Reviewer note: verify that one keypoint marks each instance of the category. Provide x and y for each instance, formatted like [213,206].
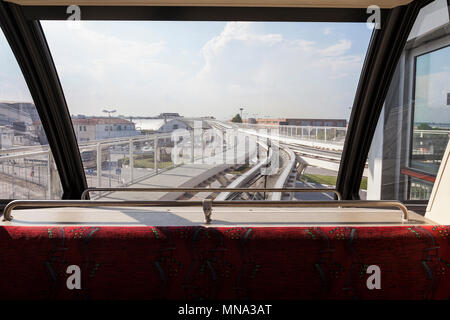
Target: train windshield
[201,104]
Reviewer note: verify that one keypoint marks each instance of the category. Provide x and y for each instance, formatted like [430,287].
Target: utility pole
[109,113]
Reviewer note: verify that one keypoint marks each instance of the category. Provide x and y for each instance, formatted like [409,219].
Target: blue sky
[12,84]
[208,68]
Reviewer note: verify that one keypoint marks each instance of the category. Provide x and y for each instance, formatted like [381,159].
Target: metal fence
[308,133]
[30,173]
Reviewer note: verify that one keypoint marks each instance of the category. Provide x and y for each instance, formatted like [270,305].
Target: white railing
[29,172]
[334,135]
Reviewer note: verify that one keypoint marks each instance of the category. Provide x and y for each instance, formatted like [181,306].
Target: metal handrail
[118,189]
[207,204]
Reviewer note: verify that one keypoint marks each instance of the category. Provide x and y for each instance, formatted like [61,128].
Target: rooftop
[95,120]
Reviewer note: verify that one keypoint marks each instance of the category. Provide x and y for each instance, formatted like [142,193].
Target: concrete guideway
[248,176]
[189,175]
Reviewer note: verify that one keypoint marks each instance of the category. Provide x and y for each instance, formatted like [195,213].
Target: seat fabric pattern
[240,263]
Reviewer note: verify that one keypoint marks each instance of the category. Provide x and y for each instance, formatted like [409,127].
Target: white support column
[224,147]
[235,147]
[99,165]
[375,161]
[203,146]
[247,151]
[192,147]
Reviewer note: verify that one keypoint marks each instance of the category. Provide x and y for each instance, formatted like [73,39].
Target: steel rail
[284,176]
[207,205]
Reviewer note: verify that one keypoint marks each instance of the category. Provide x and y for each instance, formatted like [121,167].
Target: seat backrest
[389,262]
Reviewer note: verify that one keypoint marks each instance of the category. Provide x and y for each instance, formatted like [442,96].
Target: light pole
[109,114]
[109,135]
[241,112]
[109,111]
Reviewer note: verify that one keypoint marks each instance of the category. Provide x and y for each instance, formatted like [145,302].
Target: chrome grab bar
[86,191]
[206,204]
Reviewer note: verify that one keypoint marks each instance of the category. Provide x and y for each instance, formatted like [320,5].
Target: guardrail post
[155,154]
[257,144]
[247,151]
[192,147]
[131,156]
[99,165]
[224,147]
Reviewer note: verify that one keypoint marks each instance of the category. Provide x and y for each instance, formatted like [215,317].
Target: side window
[431,120]
[414,127]
[27,169]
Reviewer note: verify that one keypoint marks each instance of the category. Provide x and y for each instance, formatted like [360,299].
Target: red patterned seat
[225,263]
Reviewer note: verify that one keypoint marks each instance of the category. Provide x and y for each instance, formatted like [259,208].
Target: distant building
[316,122]
[169,115]
[11,112]
[6,137]
[249,121]
[161,125]
[97,128]
[112,128]
[269,121]
[16,119]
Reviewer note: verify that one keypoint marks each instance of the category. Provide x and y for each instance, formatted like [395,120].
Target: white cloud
[236,31]
[242,65]
[337,49]
[277,76]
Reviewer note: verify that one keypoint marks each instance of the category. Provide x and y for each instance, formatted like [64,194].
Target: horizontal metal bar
[23,155]
[206,204]
[86,191]
[22,150]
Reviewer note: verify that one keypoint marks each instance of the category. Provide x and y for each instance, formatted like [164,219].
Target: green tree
[424,126]
[237,118]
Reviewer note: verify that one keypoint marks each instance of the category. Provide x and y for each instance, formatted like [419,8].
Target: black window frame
[413,108]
